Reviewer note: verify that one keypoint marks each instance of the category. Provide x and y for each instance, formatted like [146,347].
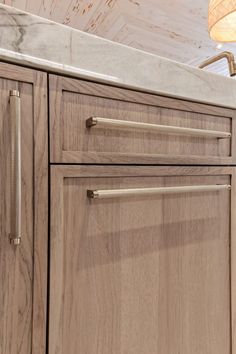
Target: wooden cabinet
[94,123]
[141,259]
[23,266]
[138,272]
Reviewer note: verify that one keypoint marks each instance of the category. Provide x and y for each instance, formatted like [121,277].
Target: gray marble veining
[39,43]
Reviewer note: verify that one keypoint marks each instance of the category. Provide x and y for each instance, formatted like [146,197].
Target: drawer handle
[111,193]
[107,122]
[15,178]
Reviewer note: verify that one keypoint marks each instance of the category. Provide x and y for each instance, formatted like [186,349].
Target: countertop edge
[73,72]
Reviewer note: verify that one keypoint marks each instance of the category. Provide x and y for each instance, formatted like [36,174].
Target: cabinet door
[22,289]
[140,260]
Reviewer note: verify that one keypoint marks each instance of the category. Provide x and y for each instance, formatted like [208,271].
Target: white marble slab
[39,43]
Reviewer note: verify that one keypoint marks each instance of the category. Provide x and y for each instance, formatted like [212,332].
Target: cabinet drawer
[94,123]
[141,272]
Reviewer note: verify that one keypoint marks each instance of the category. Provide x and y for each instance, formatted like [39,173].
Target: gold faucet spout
[224,55]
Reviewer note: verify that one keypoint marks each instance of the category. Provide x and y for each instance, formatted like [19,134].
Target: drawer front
[141,272]
[94,123]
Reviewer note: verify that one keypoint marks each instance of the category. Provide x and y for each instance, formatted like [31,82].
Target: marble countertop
[39,43]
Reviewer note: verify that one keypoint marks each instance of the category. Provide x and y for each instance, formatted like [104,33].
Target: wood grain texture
[233,262]
[24,269]
[138,275]
[74,101]
[176,30]
[16,263]
[40,213]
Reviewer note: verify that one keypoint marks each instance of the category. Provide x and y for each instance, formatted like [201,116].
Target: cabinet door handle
[15,178]
[112,193]
[116,123]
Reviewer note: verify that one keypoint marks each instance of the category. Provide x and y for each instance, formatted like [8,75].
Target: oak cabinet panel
[73,102]
[23,276]
[141,273]
[131,271]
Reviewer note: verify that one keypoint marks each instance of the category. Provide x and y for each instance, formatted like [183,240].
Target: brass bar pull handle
[227,55]
[116,123]
[15,116]
[112,193]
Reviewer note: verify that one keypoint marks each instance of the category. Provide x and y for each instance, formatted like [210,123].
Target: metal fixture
[15,213]
[94,194]
[224,55]
[107,122]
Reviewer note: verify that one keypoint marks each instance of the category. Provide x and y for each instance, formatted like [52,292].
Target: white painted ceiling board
[169,28]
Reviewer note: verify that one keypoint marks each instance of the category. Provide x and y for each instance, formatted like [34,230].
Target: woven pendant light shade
[222,20]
